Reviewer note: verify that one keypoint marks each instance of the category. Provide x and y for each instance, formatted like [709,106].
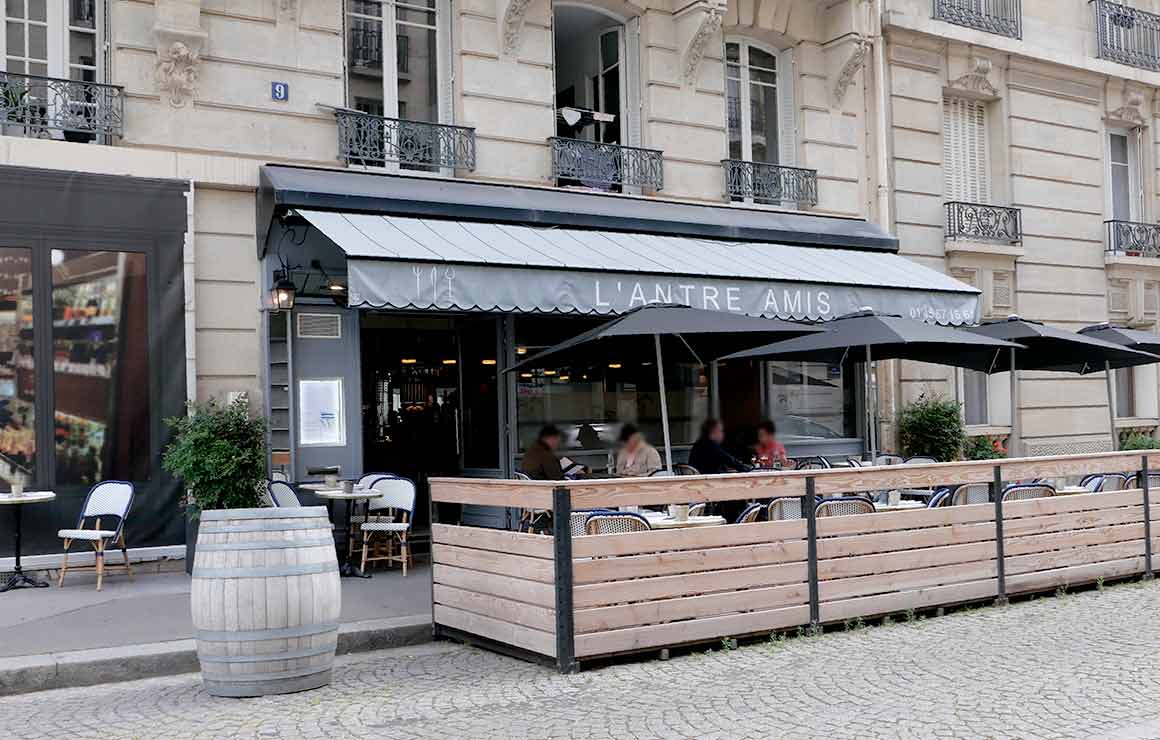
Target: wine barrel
[265,600]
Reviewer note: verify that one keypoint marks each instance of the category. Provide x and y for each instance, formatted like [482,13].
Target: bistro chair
[615,522]
[786,507]
[356,519]
[685,469]
[698,509]
[853,462]
[578,518]
[751,514]
[280,494]
[1114,482]
[941,497]
[812,463]
[279,475]
[1133,481]
[661,473]
[107,500]
[1093,482]
[919,460]
[844,506]
[1027,491]
[889,458]
[389,518]
[971,493]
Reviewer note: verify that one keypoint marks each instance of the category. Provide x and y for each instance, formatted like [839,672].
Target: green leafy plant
[1137,441]
[932,426]
[982,448]
[219,452]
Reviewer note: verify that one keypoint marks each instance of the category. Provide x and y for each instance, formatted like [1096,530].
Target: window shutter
[1002,293]
[968,275]
[632,96]
[966,159]
[1119,300]
[786,109]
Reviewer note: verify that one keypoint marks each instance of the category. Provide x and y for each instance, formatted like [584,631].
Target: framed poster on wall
[321,422]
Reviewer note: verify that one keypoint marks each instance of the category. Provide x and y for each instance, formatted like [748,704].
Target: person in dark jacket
[708,456]
[540,461]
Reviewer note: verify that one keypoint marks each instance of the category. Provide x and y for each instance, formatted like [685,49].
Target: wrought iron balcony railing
[1002,17]
[1128,36]
[606,165]
[374,141]
[1133,239]
[36,106]
[980,222]
[770,183]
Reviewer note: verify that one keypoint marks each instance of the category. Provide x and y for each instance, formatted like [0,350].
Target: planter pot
[265,600]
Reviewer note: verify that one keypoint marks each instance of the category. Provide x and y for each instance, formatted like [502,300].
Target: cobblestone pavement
[1076,666]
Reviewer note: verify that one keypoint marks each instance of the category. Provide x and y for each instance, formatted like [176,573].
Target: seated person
[540,461]
[770,453]
[708,456]
[636,457]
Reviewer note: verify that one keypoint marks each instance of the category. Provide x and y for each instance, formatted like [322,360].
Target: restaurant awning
[406,262]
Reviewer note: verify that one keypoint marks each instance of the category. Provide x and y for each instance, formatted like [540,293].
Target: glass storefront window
[812,400]
[100,366]
[17,379]
[589,401]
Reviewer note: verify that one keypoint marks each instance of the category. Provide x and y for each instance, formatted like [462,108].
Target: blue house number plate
[280,91]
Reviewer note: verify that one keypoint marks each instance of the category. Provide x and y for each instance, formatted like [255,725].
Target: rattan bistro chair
[1114,482]
[615,522]
[1133,481]
[751,514]
[919,460]
[280,494]
[844,506]
[698,509]
[389,522]
[785,507]
[108,500]
[1027,491]
[971,493]
[685,469]
[889,458]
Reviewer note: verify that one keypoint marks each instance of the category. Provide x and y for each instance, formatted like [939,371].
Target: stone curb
[27,673]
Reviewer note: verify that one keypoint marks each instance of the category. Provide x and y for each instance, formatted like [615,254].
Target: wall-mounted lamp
[283,292]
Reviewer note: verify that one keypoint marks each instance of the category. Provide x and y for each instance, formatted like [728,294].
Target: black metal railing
[373,141]
[36,106]
[366,45]
[575,161]
[1127,35]
[1002,17]
[1133,239]
[982,222]
[769,183]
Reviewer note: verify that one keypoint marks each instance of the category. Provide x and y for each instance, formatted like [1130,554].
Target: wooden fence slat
[892,562]
[505,587]
[1072,522]
[498,540]
[696,630]
[593,494]
[1075,538]
[1038,581]
[686,584]
[953,534]
[493,492]
[518,566]
[832,526]
[870,606]
[536,641]
[905,580]
[1076,502]
[687,561]
[694,538]
[605,618]
[1045,561]
[505,610]
[885,477]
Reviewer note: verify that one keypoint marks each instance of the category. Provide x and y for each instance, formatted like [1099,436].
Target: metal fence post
[435,632]
[808,509]
[565,618]
[1147,518]
[1000,567]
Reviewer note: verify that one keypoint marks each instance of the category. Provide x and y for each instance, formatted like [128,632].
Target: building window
[52,38]
[812,401]
[975,398]
[966,154]
[1125,191]
[17,368]
[1125,393]
[405,68]
[758,104]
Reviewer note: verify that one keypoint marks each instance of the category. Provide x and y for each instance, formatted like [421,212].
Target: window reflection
[17,379]
[100,363]
[812,400]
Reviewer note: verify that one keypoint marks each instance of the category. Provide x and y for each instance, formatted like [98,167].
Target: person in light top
[636,457]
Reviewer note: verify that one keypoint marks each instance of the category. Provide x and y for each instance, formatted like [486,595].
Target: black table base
[346,567]
[20,579]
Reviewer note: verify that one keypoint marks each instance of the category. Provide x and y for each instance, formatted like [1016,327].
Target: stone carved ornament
[288,9]
[512,20]
[177,73]
[975,80]
[706,23]
[1129,112]
[850,69]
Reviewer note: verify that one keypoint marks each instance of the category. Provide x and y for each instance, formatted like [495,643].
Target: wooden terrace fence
[571,598]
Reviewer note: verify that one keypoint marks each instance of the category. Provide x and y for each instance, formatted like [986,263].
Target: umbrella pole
[664,405]
[1111,405]
[1014,442]
[871,410]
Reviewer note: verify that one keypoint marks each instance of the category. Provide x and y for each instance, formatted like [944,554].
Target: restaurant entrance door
[432,401]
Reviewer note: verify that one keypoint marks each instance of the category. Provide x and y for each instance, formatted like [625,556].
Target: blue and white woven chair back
[789,507]
[282,494]
[853,462]
[1133,481]
[1027,491]
[517,475]
[279,475]
[369,479]
[971,493]
[845,506]
[618,523]
[110,498]
[393,493]
[812,463]
[889,458]
[941,497]
[920,460]
[1093,482]
[751,514]
[1114,482]
[698,509]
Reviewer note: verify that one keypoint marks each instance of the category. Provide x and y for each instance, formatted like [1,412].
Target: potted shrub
[1138,441]
[932,426]
[983,448]
[219,452]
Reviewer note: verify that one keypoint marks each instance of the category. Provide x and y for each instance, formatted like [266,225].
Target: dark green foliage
[932,426]
[219,452]
[1139,441]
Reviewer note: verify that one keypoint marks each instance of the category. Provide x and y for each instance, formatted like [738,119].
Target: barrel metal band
[267,526]
[263,545]
[281,633]
[285,570]
[296,512]
[227,678]
[267,657]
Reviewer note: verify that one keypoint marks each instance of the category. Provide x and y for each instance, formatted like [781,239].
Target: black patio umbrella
[1052,349]
[885,337]
[703,334]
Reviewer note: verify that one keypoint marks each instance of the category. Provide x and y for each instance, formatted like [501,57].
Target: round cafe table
[19,579]
[346,569]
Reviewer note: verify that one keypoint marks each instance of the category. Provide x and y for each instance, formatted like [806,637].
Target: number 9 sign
[279,91]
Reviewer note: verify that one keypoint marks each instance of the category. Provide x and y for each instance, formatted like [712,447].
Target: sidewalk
[143,628]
